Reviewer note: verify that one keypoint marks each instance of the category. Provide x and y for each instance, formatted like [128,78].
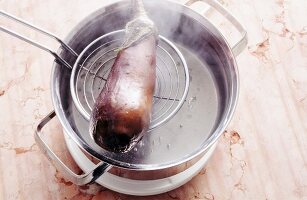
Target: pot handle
[39,45]
[83,179]
[239,46]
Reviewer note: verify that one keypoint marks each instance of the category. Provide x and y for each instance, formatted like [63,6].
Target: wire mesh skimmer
[94,64]
[92,67]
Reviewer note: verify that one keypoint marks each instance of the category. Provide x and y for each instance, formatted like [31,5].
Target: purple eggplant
[121,114]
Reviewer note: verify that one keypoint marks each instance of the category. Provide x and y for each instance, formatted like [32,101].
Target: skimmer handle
[87,177]
[239,46]
[37,44]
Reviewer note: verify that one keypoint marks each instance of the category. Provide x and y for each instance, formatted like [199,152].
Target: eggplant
[121,114]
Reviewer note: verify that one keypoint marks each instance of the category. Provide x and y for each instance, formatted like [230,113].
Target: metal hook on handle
[39,45]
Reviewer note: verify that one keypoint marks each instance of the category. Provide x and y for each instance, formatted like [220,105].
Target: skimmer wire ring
[93,65]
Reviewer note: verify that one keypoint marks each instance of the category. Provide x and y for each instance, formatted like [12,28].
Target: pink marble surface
[263,153]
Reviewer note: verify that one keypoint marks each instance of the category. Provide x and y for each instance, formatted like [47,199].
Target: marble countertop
[261,155]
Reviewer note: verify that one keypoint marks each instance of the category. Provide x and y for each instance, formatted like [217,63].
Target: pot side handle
[86,178]
[239,46]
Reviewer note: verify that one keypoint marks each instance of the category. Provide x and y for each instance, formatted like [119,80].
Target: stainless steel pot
[203,117]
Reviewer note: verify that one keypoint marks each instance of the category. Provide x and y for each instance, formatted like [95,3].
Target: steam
[167,22]
[174,23]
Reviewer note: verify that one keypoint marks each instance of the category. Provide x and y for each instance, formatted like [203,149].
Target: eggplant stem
[139,27]
[138,5]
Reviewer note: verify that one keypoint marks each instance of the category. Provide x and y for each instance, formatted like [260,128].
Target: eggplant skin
[121,114]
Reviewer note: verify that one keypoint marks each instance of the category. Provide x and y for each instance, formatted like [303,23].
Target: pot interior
[209,104]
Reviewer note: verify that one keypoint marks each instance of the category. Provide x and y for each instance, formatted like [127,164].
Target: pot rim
[219,130]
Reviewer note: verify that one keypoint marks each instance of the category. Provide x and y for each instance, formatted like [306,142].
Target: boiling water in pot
[191,125]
